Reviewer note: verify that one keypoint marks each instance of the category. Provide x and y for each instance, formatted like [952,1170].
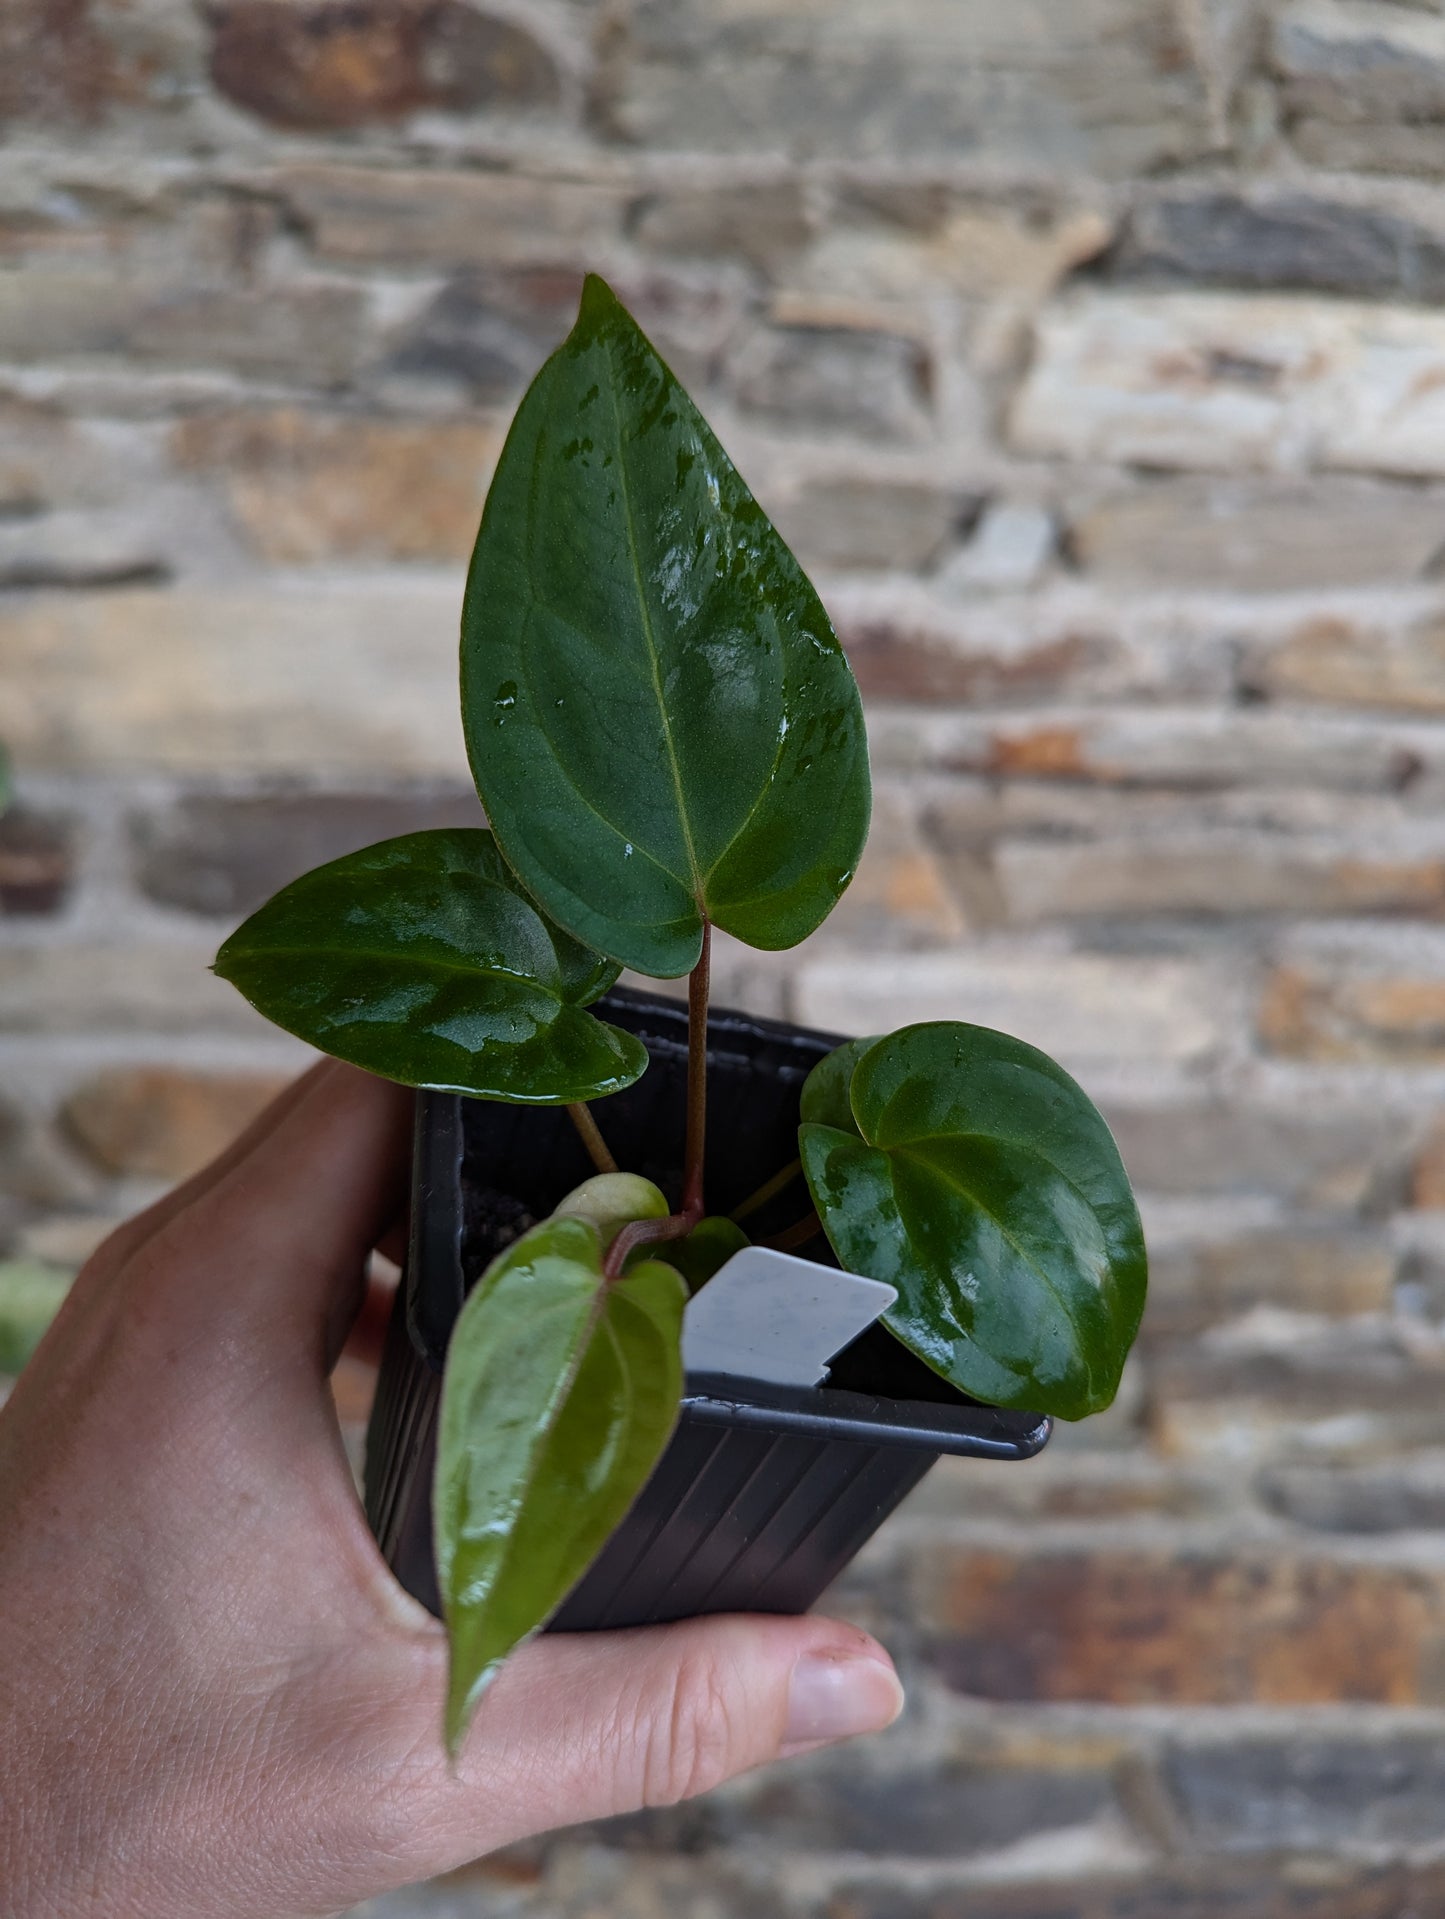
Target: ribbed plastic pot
[764,1493]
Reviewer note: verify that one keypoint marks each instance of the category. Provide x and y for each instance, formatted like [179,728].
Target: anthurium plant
[667,739]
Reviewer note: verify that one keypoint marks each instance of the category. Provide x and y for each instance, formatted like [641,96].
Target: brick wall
[1091,353]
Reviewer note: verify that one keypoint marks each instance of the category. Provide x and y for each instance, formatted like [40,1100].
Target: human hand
[215,1701]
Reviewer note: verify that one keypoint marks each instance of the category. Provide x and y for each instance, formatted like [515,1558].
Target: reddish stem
[642,1232]
[798,1234]
[598,1150]
[697,995]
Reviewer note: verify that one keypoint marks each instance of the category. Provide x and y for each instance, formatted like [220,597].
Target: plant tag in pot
[772,1316]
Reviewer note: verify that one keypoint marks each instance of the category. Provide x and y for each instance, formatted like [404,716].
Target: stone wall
[1091,353]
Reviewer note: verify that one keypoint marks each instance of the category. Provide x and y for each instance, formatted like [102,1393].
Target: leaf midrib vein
[650,639]
[421,962]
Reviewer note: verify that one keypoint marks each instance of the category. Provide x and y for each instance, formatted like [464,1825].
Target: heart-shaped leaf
[973,1174]
[661,723]
[560,1393]
[422,960]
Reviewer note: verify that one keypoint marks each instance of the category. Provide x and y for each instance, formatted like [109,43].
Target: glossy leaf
[559,1396]
[707,1248]
[826,1098]
[975,1175]
[422,960]
[660,720]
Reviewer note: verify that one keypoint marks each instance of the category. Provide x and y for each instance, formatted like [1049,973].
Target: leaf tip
[599,312]
[464,1695]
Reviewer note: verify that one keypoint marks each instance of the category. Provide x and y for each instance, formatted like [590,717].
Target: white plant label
[772,1316]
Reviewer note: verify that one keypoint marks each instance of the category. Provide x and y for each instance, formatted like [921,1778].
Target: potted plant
[667,738]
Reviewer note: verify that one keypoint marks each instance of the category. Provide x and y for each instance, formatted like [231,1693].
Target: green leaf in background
[560,1393]
[706,1250]
[660,720]
[422,960]
[978,1178]
[826,1096]
[30,1297]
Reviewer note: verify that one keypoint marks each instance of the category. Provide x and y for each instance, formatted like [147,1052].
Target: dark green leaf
[660,720]
[826,1098]
[978,1179]
[707,1248]
[422,960]
[560,1393]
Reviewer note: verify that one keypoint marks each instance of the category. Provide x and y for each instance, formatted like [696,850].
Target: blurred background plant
[31,1288]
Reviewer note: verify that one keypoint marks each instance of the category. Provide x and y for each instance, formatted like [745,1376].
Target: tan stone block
[309,486]
[1345,659]
[1372,146]
[1347,60]
[333,679]
[855,521]
[159,1122]
[836,374]
[1281,1385]
[385,216]
[1072,86]
[1083,1008]
[898,897]
[1198,1626]
[156,988]
[1324,1267]
[1218,874]
[1332,1153]
[295,332]
[1427,1175]
[1316,1011]
[1259,536]
[1065,1485]
[904,252]
[1236,381]
[765,224]
[1187,749]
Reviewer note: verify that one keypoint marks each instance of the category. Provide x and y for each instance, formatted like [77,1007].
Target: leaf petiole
[798,1234]
[598,1151]
[697,997]
[769,1189]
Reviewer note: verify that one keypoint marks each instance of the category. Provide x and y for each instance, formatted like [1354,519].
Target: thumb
[581,1726]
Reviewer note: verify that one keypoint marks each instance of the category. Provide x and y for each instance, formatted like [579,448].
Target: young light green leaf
[660,720]
[978,1178]
[560,1393]
[613,1200]
[422,960]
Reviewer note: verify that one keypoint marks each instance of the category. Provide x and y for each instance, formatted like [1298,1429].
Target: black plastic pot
[765,1492]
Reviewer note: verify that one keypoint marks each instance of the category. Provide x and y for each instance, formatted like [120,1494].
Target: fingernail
[837,1696]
